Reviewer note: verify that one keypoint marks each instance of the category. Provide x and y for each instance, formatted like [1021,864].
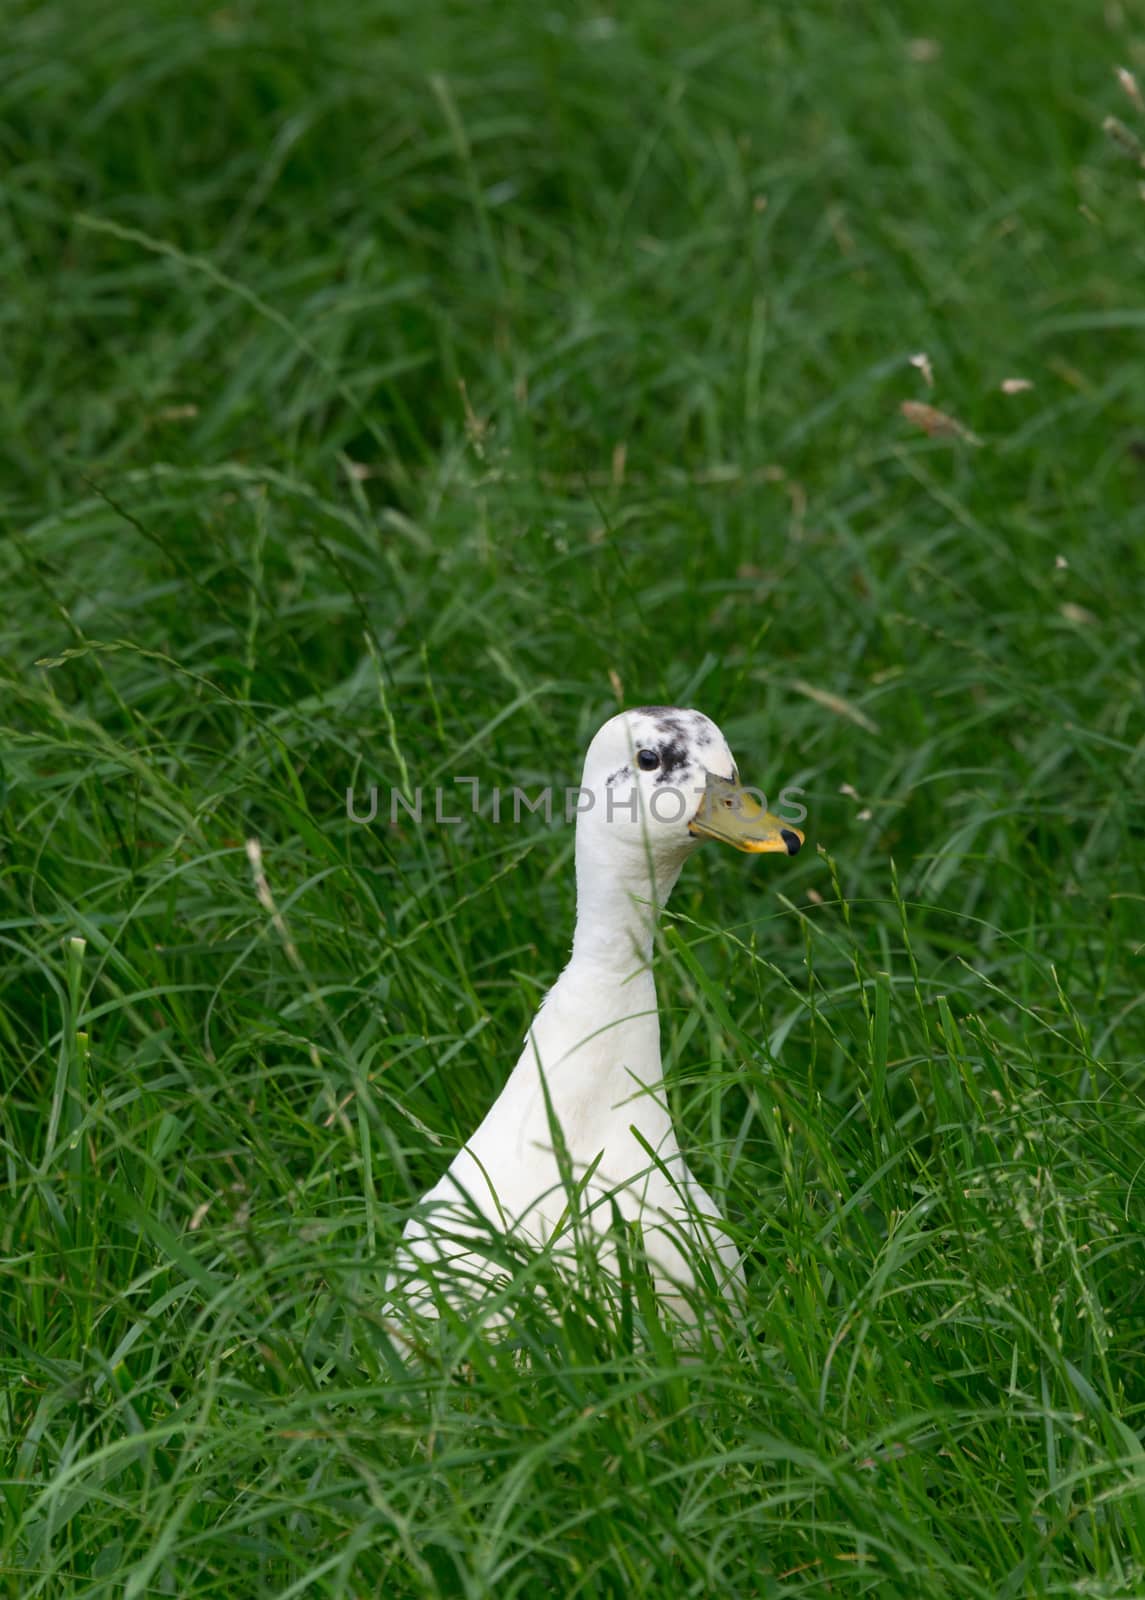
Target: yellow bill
[728,812]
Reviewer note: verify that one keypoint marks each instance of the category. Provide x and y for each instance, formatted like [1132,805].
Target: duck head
[661,779]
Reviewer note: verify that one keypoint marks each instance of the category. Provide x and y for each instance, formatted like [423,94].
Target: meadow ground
[389,390]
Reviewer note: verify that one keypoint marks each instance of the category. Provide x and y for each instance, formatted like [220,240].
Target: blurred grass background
[388,393]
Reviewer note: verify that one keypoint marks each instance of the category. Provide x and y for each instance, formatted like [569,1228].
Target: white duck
[656,782]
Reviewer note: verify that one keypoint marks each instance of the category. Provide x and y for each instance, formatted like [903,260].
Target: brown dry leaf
[617,686]
[1015,385]
[936,424]
[835,703]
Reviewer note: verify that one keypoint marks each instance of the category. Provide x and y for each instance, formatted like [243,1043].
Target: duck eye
[647,760]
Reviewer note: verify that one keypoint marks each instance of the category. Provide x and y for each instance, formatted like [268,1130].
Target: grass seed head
[922,362]
[1129,84]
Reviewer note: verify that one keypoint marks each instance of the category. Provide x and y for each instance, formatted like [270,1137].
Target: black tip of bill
[791,840]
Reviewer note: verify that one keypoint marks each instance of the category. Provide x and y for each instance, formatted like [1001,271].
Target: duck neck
[617,907]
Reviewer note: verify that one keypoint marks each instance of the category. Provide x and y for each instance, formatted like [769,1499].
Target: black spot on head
[672,734]
[668,720]
[679,733]
[618,776]
[674,758]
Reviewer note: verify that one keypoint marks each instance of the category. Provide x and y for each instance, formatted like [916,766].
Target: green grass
[385,388]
